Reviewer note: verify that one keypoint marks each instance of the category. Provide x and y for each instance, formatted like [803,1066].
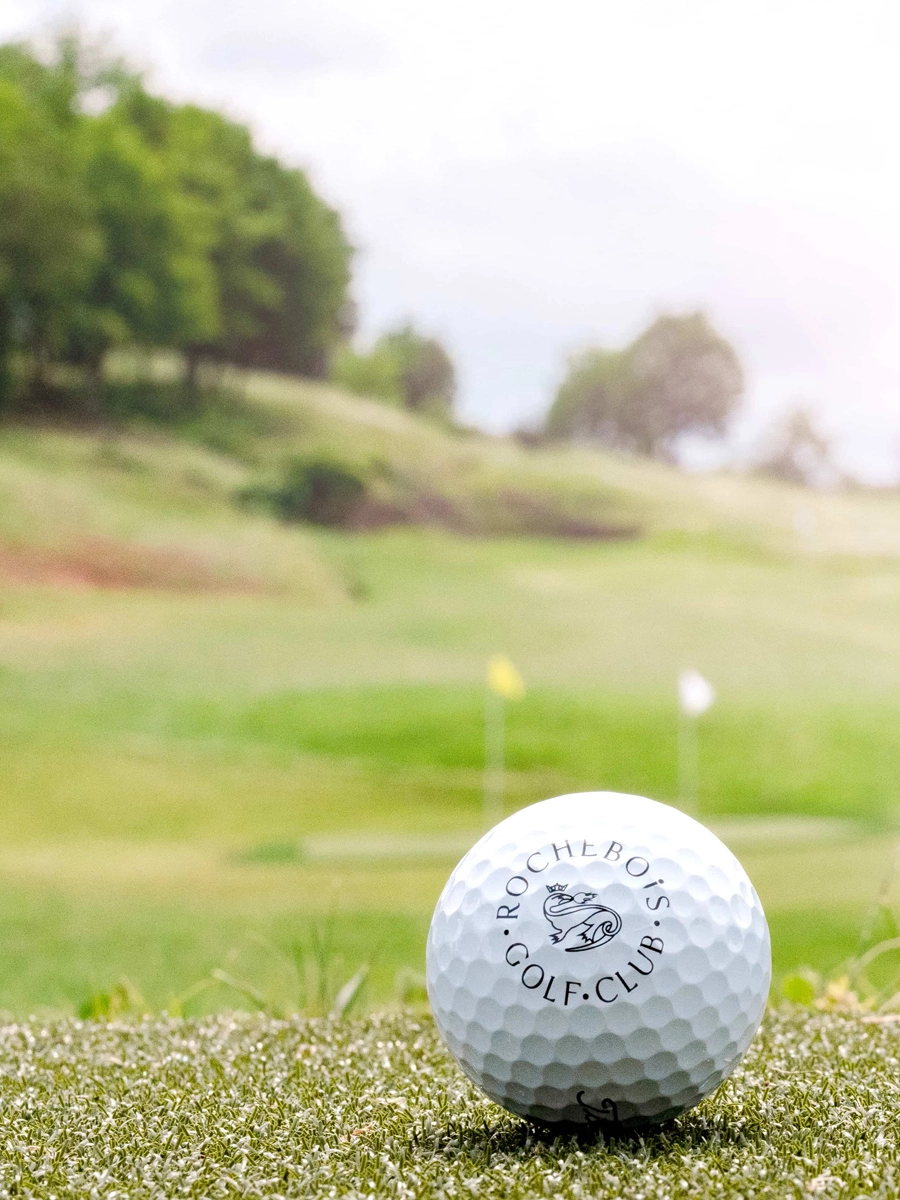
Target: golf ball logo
[590,924]
[579,922]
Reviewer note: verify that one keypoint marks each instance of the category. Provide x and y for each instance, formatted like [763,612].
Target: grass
[192,698]
[77,917]
[246,1105]
[239,760]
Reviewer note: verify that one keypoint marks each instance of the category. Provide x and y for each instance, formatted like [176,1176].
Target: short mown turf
[249,1106]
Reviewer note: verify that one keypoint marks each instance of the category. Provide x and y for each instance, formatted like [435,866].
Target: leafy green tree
[48,242]
[427,374]
[405,368]
[136,221]
[592,401]
[214,165]
[305,257]
[688,379]
[279,258]
[137,274]
[679,376]
[152,285]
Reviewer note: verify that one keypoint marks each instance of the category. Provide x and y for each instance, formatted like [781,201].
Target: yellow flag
[504,679]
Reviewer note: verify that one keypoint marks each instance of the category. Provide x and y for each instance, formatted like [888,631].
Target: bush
[319,490]
[427,373]
[405,368]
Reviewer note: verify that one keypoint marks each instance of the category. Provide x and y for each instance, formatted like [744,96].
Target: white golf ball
[598,959]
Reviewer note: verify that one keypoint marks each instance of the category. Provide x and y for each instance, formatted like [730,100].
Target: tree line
[130,220]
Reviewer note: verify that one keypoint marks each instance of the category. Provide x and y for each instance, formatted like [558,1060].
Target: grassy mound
[421,472]
[206,491]
[254,1107]
[98,509]
[471,483]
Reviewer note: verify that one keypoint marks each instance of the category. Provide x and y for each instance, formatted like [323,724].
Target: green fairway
[167,758]
[212,726]
[248,1106]
[79,917]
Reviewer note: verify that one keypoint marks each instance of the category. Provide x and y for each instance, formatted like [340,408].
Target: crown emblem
[556,887]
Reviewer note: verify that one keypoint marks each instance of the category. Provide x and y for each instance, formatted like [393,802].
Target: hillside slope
[82,508]
[150,502]
[190,691]
[620,494]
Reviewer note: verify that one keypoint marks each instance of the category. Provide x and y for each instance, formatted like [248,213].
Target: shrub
[405,368]
[319,490]
[427,373]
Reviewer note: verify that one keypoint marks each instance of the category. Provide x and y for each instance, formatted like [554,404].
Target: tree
[280,259]
[688,379]
[307,258]
[426,372]
[405,368]
[126,219]
[797,452]
[592,401]
[262,261]
[679,376]
[152,284]
[133,270]
[48,242]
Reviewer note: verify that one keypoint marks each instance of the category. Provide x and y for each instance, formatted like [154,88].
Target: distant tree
[592,401]
[280,260]
[213,161]
[426,370]
[305,256]
[796,452]
[679,376]
[403,367]
[48,241]
[152,284]
[688,379]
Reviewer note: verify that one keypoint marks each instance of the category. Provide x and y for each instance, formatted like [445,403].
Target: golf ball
[598,959]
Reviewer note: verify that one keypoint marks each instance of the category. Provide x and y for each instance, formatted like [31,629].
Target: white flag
[695,693]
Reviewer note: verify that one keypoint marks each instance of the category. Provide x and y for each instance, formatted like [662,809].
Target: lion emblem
[579,918]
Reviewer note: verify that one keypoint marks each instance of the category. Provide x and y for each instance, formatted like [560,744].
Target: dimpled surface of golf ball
[598,958]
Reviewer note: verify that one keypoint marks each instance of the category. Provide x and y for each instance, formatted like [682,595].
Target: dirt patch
[417,508]
[503,513]
[517,512]
[99,562]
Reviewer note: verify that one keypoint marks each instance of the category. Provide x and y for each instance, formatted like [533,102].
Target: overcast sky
[522,178]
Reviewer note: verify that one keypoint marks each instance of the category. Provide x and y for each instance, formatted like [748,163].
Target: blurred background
[409,415]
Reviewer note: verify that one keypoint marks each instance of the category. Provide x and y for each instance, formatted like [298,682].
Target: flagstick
[688,764]
[494,739]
